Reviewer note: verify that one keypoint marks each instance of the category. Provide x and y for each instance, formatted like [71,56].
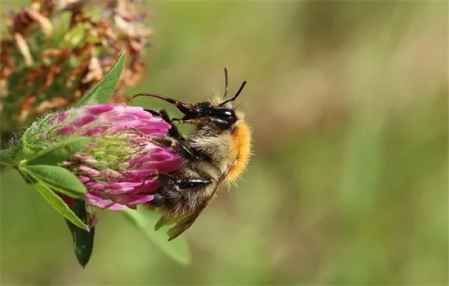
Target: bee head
[221,115]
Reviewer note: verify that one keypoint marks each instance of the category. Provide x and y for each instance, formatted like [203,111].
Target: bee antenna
[225,83]
[183,107]
[172,101]
[236,94]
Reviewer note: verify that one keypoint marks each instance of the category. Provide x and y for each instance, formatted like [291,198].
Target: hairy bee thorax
[229,150]
[240,150]
[227,153]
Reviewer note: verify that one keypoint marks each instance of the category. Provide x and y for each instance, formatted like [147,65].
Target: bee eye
[224,117]
[228,113]
[203,106]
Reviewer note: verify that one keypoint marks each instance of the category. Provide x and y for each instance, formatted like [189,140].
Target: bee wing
[184,223]
[163,220]
[187,221]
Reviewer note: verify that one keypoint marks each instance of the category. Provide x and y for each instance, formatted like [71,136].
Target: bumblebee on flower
[138,157]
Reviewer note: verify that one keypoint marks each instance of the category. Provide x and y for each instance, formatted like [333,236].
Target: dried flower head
[54,51]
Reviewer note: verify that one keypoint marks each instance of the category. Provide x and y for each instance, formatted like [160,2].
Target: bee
[216,152]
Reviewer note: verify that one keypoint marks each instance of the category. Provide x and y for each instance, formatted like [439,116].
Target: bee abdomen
[181,194]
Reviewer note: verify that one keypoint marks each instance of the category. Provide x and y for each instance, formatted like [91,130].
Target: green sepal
[83,241]
[58,204]
[58,152]
[9,157]
[59,178]
[103,90]
[145,220]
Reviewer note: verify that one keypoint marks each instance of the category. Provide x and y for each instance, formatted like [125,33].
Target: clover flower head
[120,164]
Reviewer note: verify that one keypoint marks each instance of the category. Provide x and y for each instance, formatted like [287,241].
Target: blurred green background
[348,184]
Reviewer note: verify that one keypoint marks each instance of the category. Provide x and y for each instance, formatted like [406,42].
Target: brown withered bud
[55,50]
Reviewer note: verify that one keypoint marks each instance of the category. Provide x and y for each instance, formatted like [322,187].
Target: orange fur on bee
[240,149]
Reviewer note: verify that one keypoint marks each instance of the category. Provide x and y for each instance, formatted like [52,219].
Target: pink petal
[99,108]
[61,116]
[83,120]
[94,131]
[151,185]
[156,131]
[137,200]
[66,130]
[140,174]
[96,186]
[84,179]
[119,188]
[164,166]
[89,171]
[98,201]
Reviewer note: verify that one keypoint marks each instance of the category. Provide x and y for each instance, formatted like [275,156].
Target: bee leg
[181,147]
[181,183]
[158,200]
[176,140]
[173,132]
[192,183]
[175,191]
[166,198]
[179,141]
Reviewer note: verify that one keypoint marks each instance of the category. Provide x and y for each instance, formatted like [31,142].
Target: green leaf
[59,205]
[58,152]
[58,178]
[103,90]
[83,241]
[145,220]
[8,157]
